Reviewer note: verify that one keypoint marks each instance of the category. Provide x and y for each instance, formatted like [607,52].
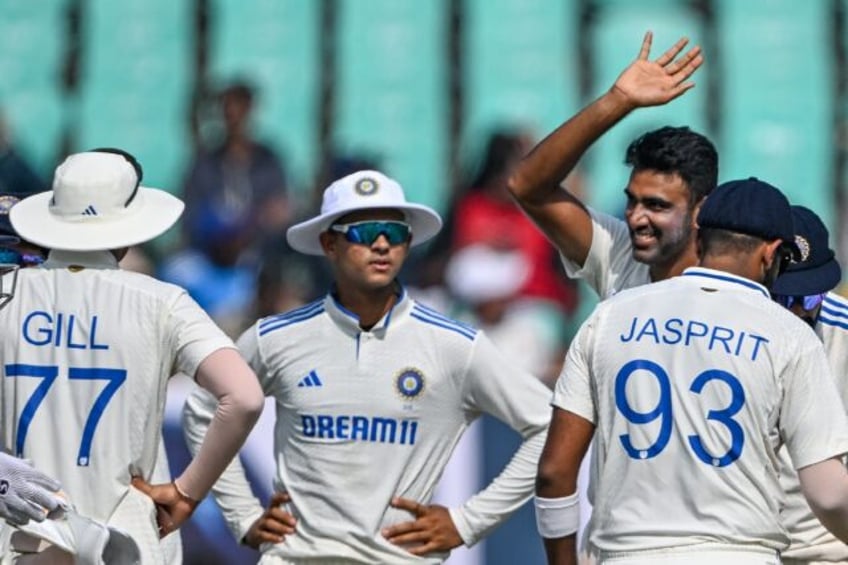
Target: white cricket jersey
[809,540]
[363,416]
[692,384]
[87,351]
[609,266]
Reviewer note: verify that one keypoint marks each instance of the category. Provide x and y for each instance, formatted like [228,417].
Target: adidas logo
[310,380]
[90,211]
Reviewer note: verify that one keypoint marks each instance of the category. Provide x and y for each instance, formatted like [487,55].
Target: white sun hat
[96,204]
[362,190]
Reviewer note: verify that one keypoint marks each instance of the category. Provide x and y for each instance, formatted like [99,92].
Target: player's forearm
[825,486]
[232,491]
[505,494]
[562,551]
[240,402]
[537,177]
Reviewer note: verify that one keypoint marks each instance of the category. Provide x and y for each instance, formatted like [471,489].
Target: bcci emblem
[410,383]
[804,246]
[6,203]
[366,186]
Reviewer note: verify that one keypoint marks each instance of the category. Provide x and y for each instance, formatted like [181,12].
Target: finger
[677,65]
[282,516]
[672,52]
[43,500]
[399,529]
[417,537]
[275,527]
[645,50]
[407,504]
[425,548]
[279,498]
[142,485]
[268,537]
[687,71]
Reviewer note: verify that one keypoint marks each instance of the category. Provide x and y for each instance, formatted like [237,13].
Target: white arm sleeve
[232,491]
[240,401]
[825,486]
[495,386]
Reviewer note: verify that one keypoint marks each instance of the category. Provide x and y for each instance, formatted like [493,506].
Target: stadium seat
[778,97]
[392,91]
[275,45]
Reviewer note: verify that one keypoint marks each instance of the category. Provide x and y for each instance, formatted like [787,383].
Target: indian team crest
[6,203]
[804,246]
[410,383]
[366,186]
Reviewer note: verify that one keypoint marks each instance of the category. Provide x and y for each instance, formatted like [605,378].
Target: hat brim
[151,213]
[806,282]
[304,237]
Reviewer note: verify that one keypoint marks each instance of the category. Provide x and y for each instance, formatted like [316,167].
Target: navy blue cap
[817,271]
[750,207]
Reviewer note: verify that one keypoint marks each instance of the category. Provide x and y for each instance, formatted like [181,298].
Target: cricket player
[673,169]
[88,349]
[806,289]
[692,384]
[373,391]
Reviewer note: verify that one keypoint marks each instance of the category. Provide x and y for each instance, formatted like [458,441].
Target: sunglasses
[807,302]
[9,256]
[367,232]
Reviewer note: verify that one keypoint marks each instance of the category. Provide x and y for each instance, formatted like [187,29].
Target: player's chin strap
[8,282]
[557,517]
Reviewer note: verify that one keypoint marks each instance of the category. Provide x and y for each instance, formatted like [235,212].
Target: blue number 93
[663,410]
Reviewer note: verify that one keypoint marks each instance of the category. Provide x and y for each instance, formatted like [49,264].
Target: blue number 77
[116,378]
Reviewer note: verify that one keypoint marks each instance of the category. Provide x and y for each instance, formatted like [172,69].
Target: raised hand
[274,525]
[652,83]
[431,531]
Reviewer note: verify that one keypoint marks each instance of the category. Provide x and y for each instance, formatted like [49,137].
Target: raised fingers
[685,61]
[645,50]
[672,52]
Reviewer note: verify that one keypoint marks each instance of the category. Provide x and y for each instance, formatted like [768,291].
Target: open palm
[651,83]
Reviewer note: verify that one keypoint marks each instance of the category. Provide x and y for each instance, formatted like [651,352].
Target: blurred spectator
[16,176]
[218,271]
[486,213]
[487,281]
[240,177]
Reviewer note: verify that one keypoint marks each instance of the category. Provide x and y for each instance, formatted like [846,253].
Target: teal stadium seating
[392,91]
[778,72]
[275,44]
[520,67]
[31,43]
[134,88]
[616,38]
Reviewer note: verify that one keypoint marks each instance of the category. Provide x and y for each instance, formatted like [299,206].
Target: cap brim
[816,280]
[304,237]
[152,212]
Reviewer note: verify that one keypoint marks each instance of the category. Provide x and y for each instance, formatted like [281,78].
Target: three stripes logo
[310,380]
[90,211]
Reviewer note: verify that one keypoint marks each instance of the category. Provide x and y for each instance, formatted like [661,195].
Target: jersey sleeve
[496,387]
[609,254]
[573,390]
[232,492]
[250,348]
[813,422]
[193,334]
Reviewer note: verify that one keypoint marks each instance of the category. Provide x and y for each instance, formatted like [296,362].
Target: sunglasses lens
[807,302]
[368,232]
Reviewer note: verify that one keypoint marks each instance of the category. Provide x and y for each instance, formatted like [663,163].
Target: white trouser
[693,556]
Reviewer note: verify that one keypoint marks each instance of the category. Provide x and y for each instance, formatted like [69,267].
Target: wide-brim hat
[362,190]
[96,203]
[818,271]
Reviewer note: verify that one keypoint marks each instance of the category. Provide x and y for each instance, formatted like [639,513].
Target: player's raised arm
[535,183]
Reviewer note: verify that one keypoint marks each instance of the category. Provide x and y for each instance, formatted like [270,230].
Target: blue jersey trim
[833,303]
[290,314]
[290,320]
[443,322]
[728,278]
[831,322]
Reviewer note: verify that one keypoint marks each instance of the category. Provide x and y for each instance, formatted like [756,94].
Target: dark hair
[502,149]
[677,150]
[240,89]
[717,241]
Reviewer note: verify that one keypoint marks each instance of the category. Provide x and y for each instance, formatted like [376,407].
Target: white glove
[26,493]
